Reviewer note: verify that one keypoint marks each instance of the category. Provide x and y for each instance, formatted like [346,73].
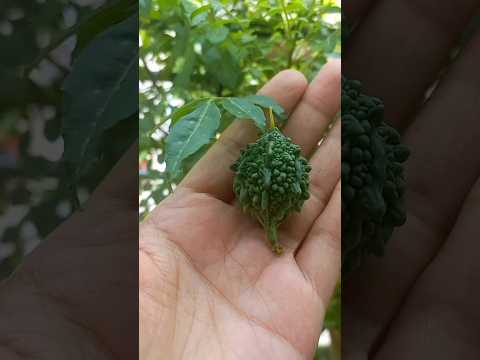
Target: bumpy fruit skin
[271,181]
[373,183]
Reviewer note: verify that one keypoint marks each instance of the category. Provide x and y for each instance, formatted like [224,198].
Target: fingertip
[287,88]
[331,71]
[294,78]
[335,65]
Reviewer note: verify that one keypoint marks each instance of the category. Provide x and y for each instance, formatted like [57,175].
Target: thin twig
[292,42]
[65,70]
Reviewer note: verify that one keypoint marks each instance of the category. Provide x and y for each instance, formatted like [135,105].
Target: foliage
[195,50]
[217,53]
[105,72]
[271,181]
[200,121]
[372,176]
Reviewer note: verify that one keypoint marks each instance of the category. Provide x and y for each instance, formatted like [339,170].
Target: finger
[325,174]
[443,143]
[449,125]
[443,304]
[319,255]
[355,11]
[400,49]
[314,113]
[212,173]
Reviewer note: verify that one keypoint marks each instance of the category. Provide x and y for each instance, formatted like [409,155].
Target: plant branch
[292,41]
[286,19]
[293,45]
[52,46]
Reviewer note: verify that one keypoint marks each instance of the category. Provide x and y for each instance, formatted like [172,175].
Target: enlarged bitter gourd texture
[271,181]
[373,183]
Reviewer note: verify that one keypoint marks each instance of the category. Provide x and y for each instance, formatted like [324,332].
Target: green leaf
[188,136]
[100,91]
[146,125]
[183,77]
[188,7]
[191,160]
[223,67]
[166,4]
[268,102]
[185,109]
[244,109]
[102,19]
[200,10]
[200,19]
[217,34]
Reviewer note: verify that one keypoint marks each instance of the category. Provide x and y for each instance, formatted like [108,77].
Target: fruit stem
[271,118]
[271,230]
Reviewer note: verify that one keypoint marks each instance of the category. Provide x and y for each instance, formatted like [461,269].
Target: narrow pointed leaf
[244,109]
[189,135]
[100,91]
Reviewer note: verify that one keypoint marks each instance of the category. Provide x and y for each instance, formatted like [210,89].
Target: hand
[75,297]
[420,299]
[210,286]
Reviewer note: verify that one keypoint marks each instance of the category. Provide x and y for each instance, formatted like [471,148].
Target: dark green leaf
[244,109]
[102,19]
[100,91]
[189,134]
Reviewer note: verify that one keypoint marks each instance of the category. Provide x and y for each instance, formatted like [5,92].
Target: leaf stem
[271,118]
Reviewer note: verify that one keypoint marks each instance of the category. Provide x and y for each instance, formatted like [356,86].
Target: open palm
[210,287]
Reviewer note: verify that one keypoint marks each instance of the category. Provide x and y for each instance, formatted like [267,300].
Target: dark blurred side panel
[414,294]
[68,114]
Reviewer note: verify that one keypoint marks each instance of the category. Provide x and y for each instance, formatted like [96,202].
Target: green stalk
[271,230]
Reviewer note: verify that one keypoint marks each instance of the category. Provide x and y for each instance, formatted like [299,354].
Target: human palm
[210,286]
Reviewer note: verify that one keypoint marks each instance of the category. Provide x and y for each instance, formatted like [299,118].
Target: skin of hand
[210,286]
[76,295]
[420,301]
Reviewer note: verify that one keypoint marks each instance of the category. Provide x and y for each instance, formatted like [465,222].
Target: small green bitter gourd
[271,180]
[373,182]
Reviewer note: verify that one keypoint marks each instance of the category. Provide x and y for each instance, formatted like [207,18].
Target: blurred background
[194,49]
[38,43]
